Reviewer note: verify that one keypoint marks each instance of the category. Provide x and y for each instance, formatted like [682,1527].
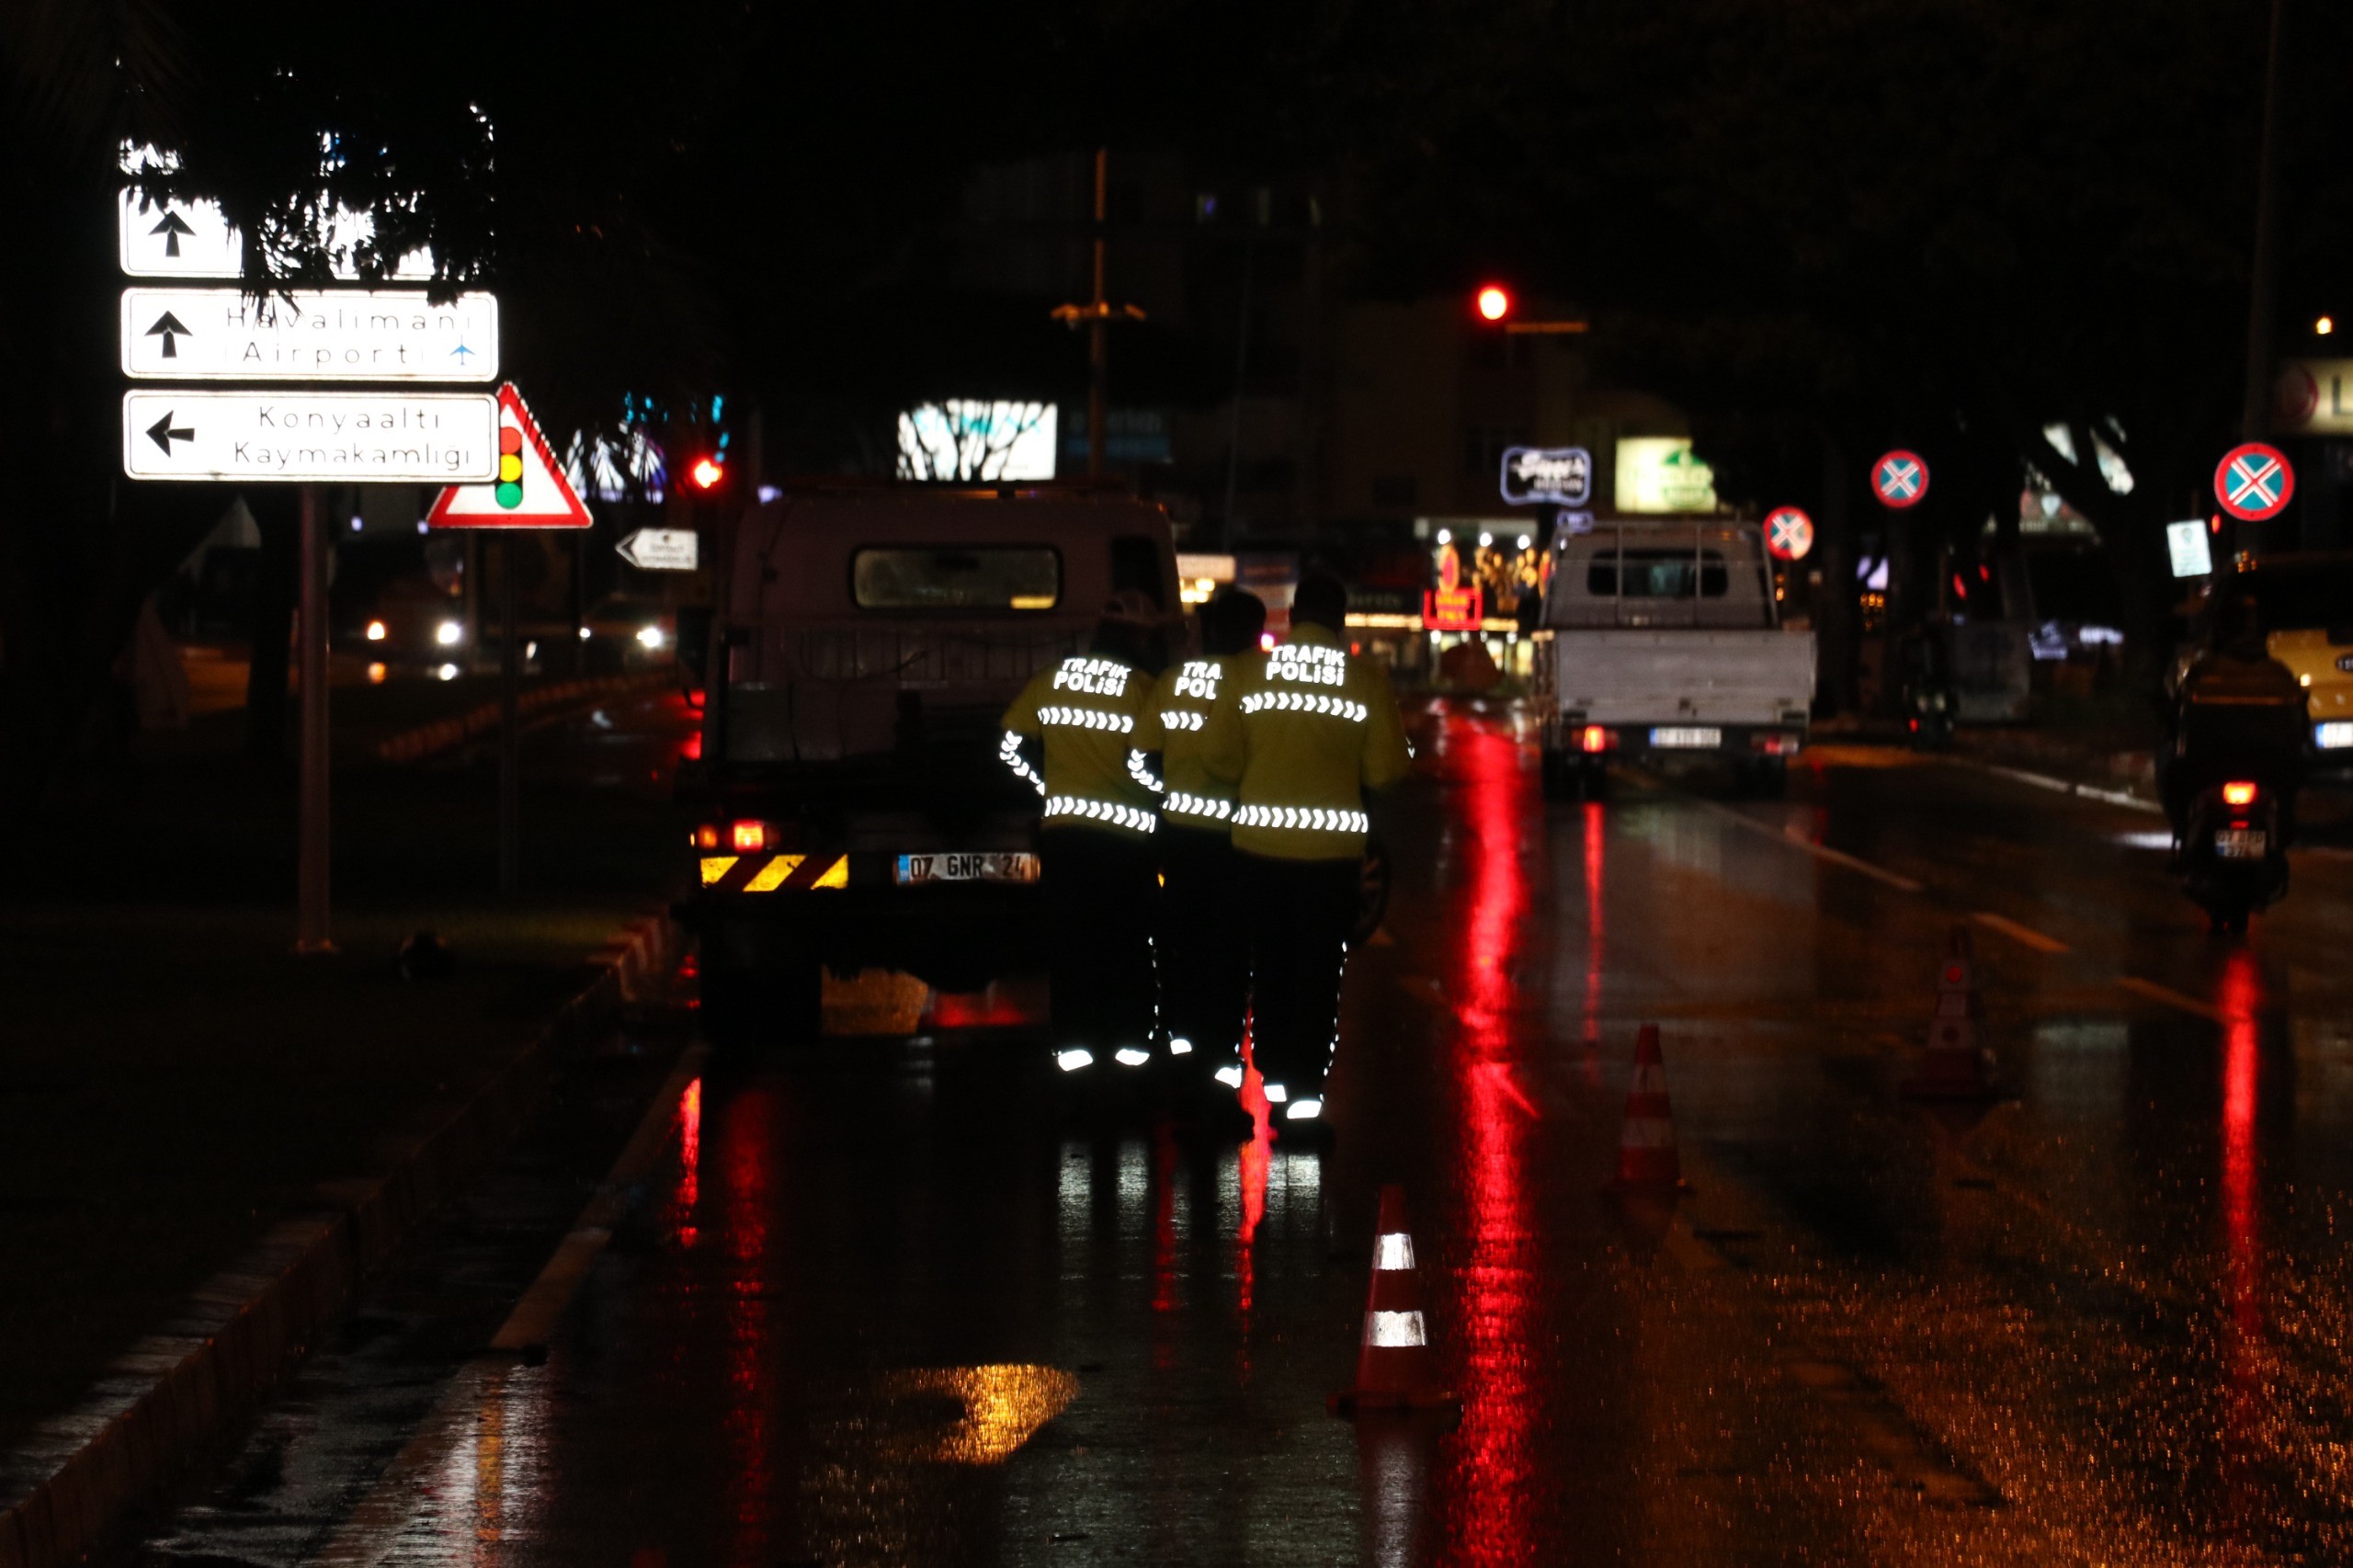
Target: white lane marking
[2017,933]
[2170,998]
[373,1529]
[1797,838]
[2062,786]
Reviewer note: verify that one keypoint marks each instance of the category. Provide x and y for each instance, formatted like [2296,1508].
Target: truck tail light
[1773,743]
[1595,739]
[707,836]
[749,837]
[2238,794]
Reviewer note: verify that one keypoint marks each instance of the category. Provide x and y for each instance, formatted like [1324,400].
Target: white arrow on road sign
[348,335]
[662,549]
[368,437]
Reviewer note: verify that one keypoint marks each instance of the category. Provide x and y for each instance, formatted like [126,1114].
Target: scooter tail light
[2238,794]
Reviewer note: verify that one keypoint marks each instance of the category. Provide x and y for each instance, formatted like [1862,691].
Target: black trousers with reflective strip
[1102,889]
[1204,948]
[1299,913]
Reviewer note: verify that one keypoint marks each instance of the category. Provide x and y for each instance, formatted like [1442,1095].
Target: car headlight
[450,634]
[650,637]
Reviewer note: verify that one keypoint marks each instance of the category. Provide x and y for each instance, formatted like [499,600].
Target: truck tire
[1763,778]
[761,989]
[1592,779]
[1553,770]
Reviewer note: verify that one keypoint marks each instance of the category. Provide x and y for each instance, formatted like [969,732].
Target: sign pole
[510,761]
[311,934]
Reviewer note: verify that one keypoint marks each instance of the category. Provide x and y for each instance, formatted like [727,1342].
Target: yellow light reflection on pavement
[1004,1407]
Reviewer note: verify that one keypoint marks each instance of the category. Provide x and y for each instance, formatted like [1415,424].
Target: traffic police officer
[1304,733]
[1204,951]
[1086,733]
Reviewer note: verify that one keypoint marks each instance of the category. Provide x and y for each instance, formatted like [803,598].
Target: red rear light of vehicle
[746,837]
[2238,794]
[1773,743]
[707,836]
[1595,739]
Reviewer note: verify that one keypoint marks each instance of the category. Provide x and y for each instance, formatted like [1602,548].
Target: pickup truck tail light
[1594,738]
[747,837]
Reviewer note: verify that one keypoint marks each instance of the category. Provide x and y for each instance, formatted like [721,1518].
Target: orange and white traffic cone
[1646,1156]
[1956,1066]
[1395,1368]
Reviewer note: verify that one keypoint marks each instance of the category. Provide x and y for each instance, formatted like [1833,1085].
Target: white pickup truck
[1663,636]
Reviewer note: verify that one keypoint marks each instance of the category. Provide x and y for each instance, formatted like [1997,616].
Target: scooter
[2235,849]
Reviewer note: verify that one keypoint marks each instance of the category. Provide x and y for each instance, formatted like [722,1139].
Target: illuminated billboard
[1659,473]
[971,439]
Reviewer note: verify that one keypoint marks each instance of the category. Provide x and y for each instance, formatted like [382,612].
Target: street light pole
[314,839]
[1098,313]
[2255,413]
[1098,347]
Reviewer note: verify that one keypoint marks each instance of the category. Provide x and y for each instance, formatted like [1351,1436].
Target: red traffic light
[706,474]
[1493,302]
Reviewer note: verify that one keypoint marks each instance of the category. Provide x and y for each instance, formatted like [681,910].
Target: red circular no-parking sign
[2254,482]
[1789,533]
[1900,479]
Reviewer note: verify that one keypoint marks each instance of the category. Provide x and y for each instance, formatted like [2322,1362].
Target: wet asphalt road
[876,1305]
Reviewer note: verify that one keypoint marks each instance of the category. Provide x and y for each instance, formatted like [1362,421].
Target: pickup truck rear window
[957,577]
[1658,574]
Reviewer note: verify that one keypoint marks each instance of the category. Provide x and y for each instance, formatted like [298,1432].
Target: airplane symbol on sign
[2255,482]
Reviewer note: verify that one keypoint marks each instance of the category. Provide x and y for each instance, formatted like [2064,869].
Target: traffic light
[510,467]
[1493,302]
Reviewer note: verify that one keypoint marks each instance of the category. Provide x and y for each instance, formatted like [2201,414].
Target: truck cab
[1663,636]
[851,806]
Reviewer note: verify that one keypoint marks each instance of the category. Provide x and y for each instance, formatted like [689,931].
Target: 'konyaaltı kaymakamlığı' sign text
[258,435]
[348,335]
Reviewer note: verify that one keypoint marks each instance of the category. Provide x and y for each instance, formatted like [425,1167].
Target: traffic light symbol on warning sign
[510,467]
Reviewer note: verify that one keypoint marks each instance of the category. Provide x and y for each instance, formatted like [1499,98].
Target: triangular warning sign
[531,491]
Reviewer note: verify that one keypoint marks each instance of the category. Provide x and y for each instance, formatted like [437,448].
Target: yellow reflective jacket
[1097,718]
[1303,731]
[1184,696]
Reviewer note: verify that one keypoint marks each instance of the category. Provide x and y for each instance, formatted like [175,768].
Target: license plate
[1686,740]
[990,867]
[2241,843]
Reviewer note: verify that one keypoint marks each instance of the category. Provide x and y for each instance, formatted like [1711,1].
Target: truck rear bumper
[957,936]
[1676,737]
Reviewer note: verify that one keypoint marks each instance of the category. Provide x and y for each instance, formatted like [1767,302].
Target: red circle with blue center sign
[2254,482]
[1789,533]
[1900,479]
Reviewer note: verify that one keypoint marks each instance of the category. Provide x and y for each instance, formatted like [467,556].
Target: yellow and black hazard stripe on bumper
[773,873]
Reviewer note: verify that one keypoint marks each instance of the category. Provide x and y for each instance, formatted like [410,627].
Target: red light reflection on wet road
[2240,993]
[1485,1488]
[747,1162]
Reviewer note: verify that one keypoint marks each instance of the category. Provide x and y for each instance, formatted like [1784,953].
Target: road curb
[425,740]
[239,1331]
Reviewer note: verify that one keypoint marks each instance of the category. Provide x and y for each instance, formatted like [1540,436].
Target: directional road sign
[1900,479]
[2254,482]
[346,334]
[1789,533]
[328,437]
[660,550]
[177,239]
[192,239]
[529,489]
